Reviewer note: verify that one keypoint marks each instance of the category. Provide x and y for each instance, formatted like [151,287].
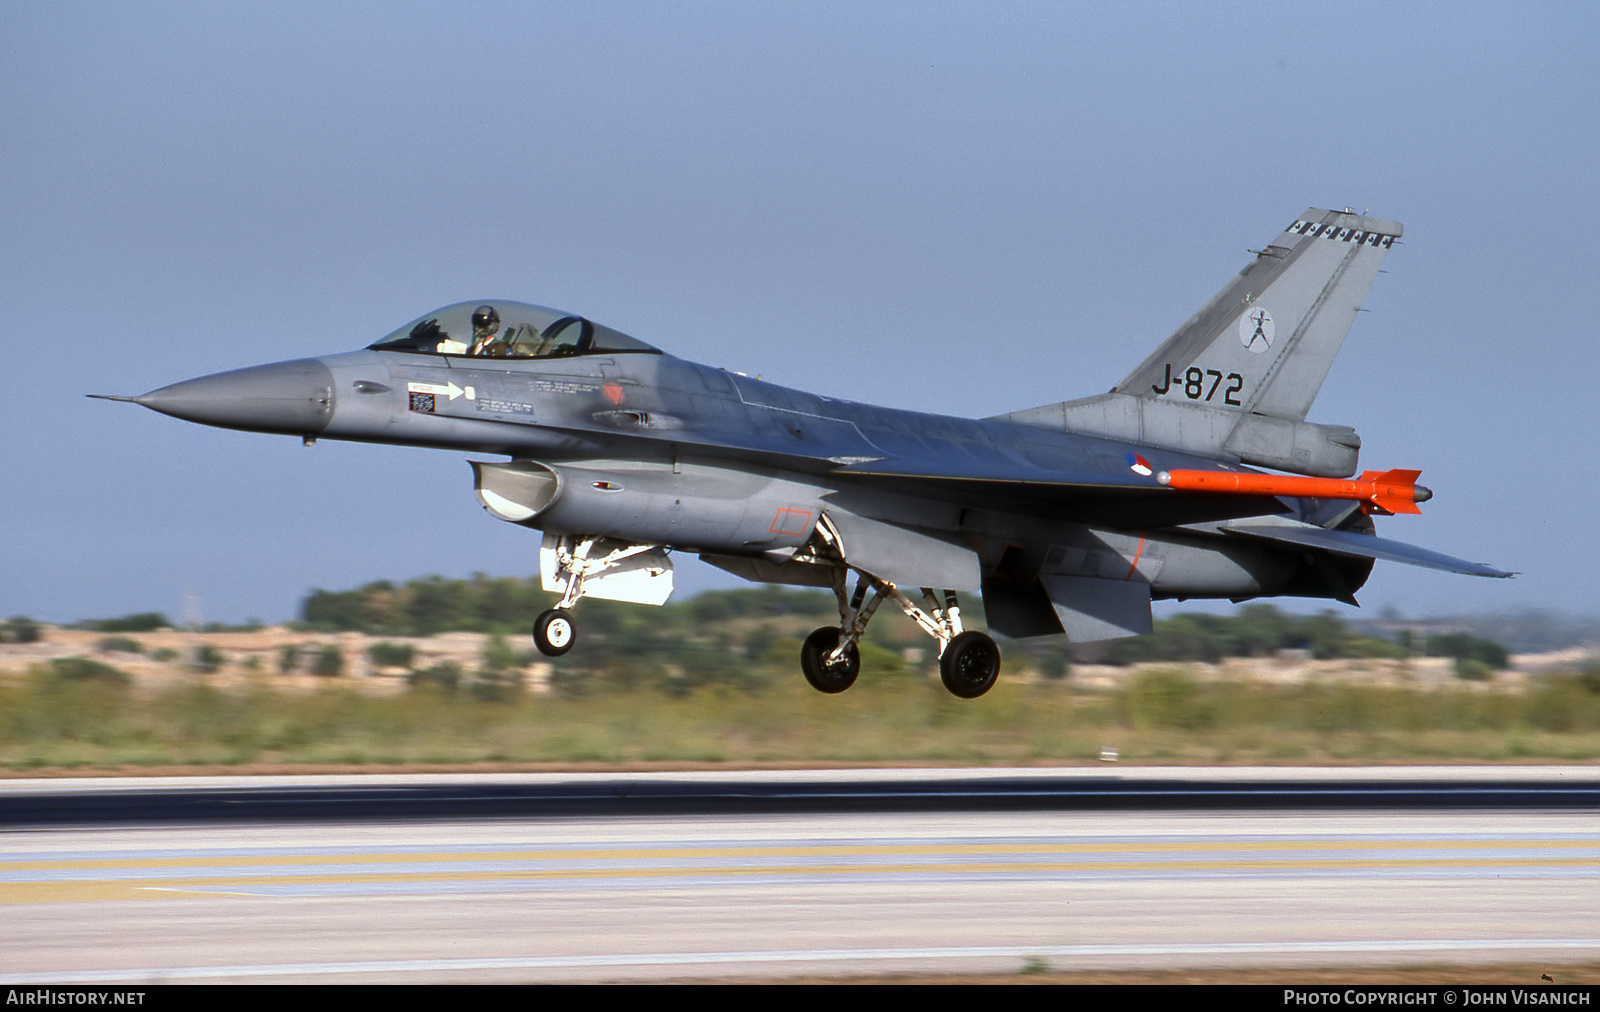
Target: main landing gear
[826,667]
[969,661]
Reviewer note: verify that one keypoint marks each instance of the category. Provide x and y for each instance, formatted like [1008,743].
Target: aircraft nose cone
[295,398]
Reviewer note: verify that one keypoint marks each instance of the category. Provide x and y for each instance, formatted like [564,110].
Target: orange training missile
[1390,491]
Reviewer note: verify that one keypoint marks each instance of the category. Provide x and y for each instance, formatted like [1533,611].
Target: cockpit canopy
[501,329]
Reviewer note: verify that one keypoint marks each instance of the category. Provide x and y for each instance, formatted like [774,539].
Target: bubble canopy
[497,328]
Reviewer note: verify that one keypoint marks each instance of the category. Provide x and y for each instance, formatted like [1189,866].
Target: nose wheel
[554,632]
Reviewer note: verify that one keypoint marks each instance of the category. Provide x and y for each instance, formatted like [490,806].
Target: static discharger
[1394,491]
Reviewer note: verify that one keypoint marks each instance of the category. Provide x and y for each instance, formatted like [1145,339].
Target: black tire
[832,678]
[969,665]
[554,632]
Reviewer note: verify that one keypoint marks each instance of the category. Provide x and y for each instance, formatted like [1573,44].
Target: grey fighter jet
[1197,476]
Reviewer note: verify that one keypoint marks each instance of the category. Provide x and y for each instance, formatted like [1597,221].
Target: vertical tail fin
[1264,344]
[1237,379]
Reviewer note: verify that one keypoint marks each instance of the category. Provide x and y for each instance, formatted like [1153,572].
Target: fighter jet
[1197,476]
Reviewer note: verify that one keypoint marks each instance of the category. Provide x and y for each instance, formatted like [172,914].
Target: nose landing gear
[601,567]
[554,632]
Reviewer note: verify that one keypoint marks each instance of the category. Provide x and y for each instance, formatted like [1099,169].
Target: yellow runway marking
[830,850]
[146,888]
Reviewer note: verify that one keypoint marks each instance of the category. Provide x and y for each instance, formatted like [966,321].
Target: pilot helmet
[485,320]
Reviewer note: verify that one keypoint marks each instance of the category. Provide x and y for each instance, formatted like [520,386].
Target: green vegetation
[1531,631]
[427,606]
[443,677]
[148,621]
[1257,630]
[711,679]
[699,636]
[250,625]
[71,715]
[206,659]
[82,669]
[329,662]
[390,655]
[506,606]
[1472,653]
[19,630]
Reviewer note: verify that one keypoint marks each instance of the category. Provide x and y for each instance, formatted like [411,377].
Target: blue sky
[939,206]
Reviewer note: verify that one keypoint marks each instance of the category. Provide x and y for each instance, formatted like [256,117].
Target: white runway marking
[1419,947]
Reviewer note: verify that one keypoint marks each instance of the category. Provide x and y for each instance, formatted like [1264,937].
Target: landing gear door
[645,578]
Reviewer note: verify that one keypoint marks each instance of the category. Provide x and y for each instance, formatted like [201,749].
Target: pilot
[485,332]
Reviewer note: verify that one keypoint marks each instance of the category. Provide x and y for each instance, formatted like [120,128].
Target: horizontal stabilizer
[1364,546]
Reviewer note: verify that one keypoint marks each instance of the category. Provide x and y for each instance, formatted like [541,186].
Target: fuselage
[655,449]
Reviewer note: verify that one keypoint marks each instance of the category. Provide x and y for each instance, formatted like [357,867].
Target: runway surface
[308,798]
[772,893]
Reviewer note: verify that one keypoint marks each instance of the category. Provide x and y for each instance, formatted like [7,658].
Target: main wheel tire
[969,665]
[830,678]
[554,632]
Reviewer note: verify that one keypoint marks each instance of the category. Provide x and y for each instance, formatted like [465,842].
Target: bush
[1589,677]
[1464,646]
[19,630]
[1052,665]
[442,677]
[82,669]
[500,677]
[499,656]
[207,659]
[119,645]
[391,655]
[496,686]
[329,662]
[148,621]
